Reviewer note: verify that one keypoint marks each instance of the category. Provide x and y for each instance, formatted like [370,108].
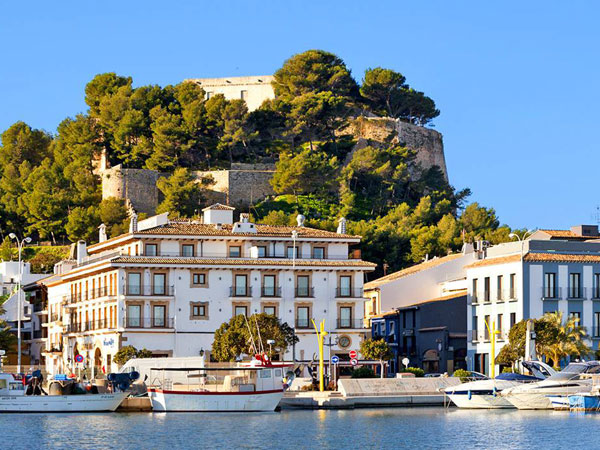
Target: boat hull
[186,401]
[531,400]
[61,403]
[480,401]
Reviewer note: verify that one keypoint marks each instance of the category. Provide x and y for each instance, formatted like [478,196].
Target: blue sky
[517,82]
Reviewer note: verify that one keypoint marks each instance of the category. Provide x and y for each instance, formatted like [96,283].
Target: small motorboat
[485,394]
[17,397]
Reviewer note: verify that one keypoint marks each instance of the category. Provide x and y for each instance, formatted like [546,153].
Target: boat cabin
[10,386]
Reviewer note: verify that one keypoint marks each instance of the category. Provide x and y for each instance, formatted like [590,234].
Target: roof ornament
[102,233]
[341,229]
[300,219]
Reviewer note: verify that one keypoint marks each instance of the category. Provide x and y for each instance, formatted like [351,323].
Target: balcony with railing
[270,291]
[136,290]
[342,292]
[576,293]
[304,292]
[354,324]
[551,293]
[240,291]
[146,323]
[91,294]
[90,325]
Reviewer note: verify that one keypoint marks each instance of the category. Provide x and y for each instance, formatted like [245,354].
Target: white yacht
[14,398]
[541,395]
[485,394]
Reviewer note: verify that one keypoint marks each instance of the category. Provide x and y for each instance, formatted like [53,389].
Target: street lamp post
[20,245]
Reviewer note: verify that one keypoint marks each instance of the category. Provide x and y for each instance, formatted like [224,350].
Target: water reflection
[364,428]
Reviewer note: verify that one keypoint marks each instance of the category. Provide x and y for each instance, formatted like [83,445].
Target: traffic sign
[353,354]
[79,358]
[405,361]
[354,362]
[335,359]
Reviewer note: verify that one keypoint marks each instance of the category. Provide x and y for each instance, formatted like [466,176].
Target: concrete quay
[368,393]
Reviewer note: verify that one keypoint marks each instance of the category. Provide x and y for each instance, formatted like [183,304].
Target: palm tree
[561,340]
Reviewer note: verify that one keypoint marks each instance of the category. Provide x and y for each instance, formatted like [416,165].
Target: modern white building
[168,285]
[553,270]
[9,283]
[254,90]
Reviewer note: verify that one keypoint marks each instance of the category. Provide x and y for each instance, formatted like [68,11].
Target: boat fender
[494,392]
[134,375]
[469,394]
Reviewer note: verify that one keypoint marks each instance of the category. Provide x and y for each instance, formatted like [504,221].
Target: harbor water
[333,429]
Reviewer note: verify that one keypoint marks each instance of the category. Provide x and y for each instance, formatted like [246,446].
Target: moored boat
[14,398]
[254,387]
[553,390]
[485,394]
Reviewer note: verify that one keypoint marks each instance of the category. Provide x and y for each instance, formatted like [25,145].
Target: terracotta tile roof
[244,262]
[492,261]
[562,257]
[219,207]
[198,229]
[540,257]
[567,234]
[411,270]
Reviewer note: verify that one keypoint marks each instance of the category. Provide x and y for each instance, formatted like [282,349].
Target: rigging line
[251,337]
[262,347]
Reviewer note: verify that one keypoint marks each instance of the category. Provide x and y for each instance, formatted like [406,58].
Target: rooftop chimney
[300,219]
[341,229]
[218,214]
[102,233]
[81,251]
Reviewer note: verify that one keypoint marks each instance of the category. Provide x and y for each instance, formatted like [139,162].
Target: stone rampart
[427,143]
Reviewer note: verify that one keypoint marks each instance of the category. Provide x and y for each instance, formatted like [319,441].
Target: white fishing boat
[485,394]
[14,399]
[553,391]
[257,386]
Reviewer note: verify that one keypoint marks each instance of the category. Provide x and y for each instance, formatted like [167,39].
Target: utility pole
[20,245]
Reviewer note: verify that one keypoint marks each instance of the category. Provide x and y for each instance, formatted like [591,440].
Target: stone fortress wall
[427,143]
[246,184]
[240,186]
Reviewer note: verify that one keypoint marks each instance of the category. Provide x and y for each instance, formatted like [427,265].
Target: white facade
[545,275]
[167,288]
[254,90]
[9,282]
[431,279]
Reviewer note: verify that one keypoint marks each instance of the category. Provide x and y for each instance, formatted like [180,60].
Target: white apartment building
[30,323]
[168,285]
[553,270]
[254,90]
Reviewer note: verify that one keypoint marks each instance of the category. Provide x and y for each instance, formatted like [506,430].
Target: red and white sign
[354,362]
[353,354]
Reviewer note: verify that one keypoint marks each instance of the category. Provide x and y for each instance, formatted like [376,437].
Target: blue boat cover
[515,377]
